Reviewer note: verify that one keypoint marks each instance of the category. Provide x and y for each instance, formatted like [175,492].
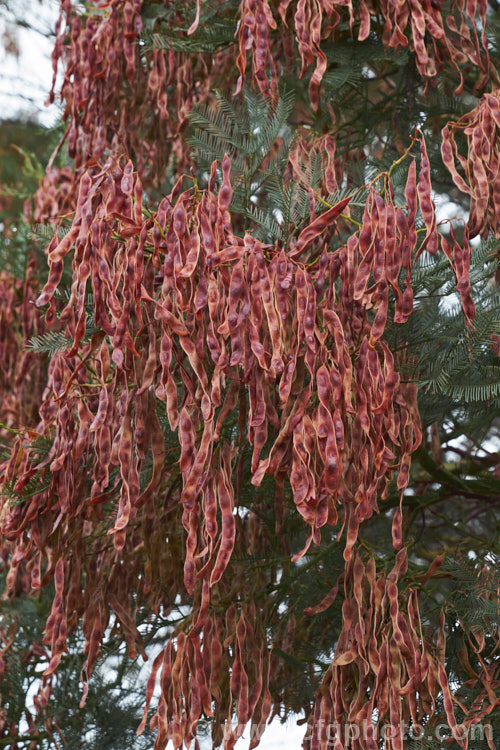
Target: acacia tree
[250,387]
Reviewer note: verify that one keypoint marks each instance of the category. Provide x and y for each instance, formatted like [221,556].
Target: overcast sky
[25,81]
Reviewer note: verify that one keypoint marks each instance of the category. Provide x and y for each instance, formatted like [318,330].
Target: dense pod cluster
[22,375]
[384,664]
[199,356]
[220,666]
[116,95]
[435,38]
[190,308]
[22,381]
[221,310]
[479,175]
[55,198]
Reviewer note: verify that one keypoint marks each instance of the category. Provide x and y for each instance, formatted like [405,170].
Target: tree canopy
[250,378]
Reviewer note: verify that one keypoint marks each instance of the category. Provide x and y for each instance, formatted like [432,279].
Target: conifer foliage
[210,376]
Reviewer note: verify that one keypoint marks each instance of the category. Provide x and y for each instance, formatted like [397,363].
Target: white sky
[25,81]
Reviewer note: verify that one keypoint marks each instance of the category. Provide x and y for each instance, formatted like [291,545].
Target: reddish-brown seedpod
[215,346]
[478,170]
[381,661]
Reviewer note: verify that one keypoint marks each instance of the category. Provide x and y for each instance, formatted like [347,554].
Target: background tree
[258,418]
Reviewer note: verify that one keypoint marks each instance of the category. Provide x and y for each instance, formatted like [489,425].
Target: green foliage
[256,135]
[454,360]
[474,600]
[15,251]
[115,701]
[50,343]
[167,27]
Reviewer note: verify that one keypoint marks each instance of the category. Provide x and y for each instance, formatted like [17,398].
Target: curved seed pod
[226,504]
[479,168]
[424,191]
[323,605]
[317,227]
